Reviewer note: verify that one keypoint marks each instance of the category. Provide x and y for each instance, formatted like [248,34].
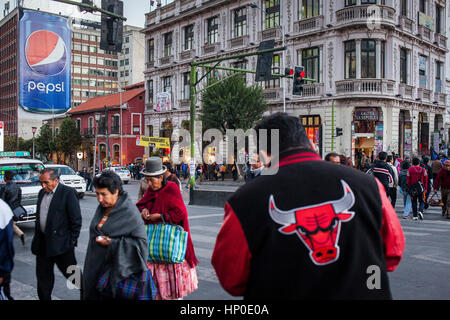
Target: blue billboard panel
[44,62]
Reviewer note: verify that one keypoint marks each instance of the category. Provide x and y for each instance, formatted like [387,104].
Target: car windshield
[64,171]
[25,173]
[122,171]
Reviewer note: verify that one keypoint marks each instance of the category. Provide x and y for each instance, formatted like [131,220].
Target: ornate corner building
[379,66]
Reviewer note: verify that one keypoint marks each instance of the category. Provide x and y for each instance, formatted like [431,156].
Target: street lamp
[97,117]
[33,129]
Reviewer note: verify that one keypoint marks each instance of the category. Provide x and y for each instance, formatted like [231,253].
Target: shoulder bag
[166,242]
[416,188]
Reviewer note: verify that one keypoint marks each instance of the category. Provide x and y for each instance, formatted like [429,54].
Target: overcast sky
[133,10]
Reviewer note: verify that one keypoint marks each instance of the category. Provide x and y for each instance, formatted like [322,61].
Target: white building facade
[379,66]
[132,57]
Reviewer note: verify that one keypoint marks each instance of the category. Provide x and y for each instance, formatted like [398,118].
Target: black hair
[168,166]
[425,159]
[9,175]
[415,161]
[406,165]
[382,155]
[109,180]
[389,158]
[291,132]
[331,155]
[54,174]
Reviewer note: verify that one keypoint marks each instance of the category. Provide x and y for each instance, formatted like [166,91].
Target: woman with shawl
[117,238]
[163,200]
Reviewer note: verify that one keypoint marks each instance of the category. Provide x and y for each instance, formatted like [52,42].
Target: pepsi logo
[46,53]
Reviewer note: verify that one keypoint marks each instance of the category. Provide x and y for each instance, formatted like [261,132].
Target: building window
[368,1]
[115,124]
[310,9]
[403,65]
[167,84]
[150,91]
[423,6]
[272,19]
[189,37]
[127,39]
[186,85]
[383,58]
[438,19]
[212,27]
[151,50]
[241,65]
[349,3]
[116,152]
[168,44]
[368,59]
[404,8]
[422,72]
[438,76]
[240,22]
[311,62]
[313,127]
[350,59]
[274,83]
[78,124]
[127,50]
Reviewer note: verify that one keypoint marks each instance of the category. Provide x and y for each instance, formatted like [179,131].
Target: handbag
[432,202]
[19,212]
[416,188]
[166,242]
[138,286]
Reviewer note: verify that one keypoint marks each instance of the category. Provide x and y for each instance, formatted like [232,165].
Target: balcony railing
[424,33]
[238,42]
[406,91]
[166,60]
[273,93]
[440,39]
[274,33]
[312,90]
[406,24]
[364,15]
[211,48]
[440,98]
[88,131]
[115,129]
[365,86]
[186,55]
[308,25]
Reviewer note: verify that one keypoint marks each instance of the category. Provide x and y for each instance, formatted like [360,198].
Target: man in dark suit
[58,225]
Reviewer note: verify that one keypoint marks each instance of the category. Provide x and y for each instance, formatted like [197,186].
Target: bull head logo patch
[318,226]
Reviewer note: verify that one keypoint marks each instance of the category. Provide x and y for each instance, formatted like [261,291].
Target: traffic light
[264,62]
[299,74]
[288,71]
[338,132]
[112,28]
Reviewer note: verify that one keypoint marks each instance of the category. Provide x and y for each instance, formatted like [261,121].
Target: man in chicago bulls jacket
[310,229]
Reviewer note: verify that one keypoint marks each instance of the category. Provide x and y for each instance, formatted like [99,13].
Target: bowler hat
[154,167]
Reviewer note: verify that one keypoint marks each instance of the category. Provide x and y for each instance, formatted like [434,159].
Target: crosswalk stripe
[203,253]
[203,238]
[424,229]
[420,234]
[421,257]
[206,216]
[214,230]
[206,274]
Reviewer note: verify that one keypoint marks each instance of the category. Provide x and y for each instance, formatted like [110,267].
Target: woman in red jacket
[416,173]
[163,199]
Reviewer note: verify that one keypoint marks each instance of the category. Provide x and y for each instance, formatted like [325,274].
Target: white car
[68,177]
[122,172]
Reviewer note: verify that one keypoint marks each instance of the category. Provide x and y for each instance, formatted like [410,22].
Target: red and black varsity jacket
[314,230]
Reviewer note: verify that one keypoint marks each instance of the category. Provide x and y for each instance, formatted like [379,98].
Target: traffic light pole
[193,91]
[92,8]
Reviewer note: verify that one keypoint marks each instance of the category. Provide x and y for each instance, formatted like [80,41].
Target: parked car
[70,178]
[27,178]
[122,172]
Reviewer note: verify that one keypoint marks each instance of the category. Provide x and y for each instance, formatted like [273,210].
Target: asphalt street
[422,274]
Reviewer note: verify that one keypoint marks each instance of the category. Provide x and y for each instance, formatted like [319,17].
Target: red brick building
[108,127]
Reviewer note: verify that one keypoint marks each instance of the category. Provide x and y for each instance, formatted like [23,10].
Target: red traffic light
[302,74]
[288,71]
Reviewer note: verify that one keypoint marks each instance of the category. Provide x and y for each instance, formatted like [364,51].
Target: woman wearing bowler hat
[163,199]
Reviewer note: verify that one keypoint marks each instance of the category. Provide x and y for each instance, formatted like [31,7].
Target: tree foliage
[232,105]
[68,139]
[44,142]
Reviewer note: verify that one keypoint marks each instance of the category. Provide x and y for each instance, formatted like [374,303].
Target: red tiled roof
[111,100]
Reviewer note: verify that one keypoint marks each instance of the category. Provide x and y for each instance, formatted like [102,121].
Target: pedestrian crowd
[298,218]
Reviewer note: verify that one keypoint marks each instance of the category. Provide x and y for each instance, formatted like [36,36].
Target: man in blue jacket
[6,247]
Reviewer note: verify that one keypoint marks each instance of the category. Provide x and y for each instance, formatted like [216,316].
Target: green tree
[68,139]
[232,105]
[44,143]
[10,143]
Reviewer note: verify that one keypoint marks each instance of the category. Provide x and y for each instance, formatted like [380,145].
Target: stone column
[358,59]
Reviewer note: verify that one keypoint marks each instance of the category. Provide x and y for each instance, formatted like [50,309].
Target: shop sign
[366,115]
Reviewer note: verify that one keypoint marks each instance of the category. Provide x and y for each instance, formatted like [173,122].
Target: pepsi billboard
[44,62]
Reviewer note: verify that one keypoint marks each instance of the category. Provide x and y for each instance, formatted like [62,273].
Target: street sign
[155,142]
[14,154]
